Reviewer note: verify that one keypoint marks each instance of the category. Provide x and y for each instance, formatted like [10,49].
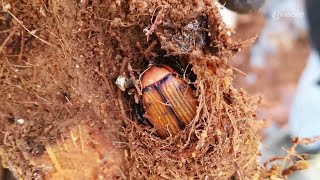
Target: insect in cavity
[167,100]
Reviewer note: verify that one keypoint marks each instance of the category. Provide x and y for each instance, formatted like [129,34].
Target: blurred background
[281,67]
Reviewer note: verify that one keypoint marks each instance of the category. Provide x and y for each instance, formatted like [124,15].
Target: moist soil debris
[59,61]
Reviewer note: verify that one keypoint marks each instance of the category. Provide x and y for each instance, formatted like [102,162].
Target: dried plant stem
[7,39]
[31,33]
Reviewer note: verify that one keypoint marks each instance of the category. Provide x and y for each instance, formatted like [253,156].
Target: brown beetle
[168,101]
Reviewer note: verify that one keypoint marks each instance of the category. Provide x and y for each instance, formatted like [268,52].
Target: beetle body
[168,101]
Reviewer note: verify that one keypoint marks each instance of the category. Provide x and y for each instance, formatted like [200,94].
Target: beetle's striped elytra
[167,99]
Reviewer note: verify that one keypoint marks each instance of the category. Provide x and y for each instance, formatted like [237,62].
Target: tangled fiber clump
[221,141]
[59,61]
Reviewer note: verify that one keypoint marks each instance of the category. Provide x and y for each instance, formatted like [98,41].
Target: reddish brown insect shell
[168,101]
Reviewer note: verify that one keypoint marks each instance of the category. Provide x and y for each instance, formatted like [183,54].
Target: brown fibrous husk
[221,141]
[65,75]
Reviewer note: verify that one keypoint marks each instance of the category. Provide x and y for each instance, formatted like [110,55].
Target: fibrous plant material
[58,67]
[81,153]
[1,172]
[48,90]
[221,141]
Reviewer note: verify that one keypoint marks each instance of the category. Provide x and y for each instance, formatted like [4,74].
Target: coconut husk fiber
[59,62]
